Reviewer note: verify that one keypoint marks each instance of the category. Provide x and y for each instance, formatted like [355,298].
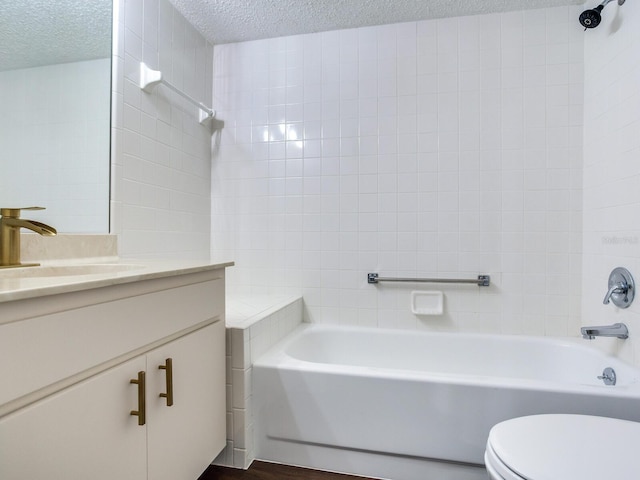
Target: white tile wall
[161,162]
[449,147]
[612,168]
[55,143]
[254,325]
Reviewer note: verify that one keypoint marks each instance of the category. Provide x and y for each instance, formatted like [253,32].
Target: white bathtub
[412,405]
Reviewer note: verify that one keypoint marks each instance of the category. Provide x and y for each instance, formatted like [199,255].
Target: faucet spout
[618,330]
[38,227]
[10,225]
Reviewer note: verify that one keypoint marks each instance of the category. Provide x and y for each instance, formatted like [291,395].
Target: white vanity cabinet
[81,424]
[83,431]
[184,438]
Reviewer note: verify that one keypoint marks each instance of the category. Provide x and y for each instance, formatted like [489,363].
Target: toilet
[564,447]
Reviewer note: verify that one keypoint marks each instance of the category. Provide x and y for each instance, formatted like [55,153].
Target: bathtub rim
[277,357]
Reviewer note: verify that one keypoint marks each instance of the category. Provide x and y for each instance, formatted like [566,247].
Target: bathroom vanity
[112,371]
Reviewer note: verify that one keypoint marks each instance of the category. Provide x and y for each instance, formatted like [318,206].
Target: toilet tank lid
[568,446]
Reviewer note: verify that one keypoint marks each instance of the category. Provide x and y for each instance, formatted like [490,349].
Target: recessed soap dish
[427,302]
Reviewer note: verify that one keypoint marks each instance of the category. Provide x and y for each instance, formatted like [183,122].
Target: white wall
[612,168]
[447,148]
[54,139]
[161,158]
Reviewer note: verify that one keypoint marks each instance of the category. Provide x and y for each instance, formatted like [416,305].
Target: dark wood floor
[271,471]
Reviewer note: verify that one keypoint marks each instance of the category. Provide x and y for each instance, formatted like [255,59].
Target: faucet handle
[15,212]
[621,288]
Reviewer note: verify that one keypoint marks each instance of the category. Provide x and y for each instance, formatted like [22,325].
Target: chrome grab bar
[481,281]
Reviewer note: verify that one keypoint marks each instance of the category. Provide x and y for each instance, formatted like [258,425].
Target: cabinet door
[85,431]
[183,439]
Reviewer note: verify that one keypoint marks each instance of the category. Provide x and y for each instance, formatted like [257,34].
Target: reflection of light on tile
[265,134]
[294,149]
[276,132]
[292,132]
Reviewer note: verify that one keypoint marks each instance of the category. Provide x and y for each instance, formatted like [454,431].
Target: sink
[69,270]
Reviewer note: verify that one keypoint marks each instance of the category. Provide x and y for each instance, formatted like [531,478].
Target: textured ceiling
[226,21]
[46,32]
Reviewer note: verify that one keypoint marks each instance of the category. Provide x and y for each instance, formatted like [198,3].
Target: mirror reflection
[55,90]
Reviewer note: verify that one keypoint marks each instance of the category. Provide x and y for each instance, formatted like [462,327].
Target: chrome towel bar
[481,281]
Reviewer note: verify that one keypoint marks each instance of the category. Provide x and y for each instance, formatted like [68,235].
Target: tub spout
[618,330]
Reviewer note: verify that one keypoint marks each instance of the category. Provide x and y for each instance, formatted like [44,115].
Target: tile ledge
[245,310]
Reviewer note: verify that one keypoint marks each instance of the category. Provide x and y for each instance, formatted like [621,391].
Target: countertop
[23,282]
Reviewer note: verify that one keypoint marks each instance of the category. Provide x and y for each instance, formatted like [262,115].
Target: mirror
[55,108]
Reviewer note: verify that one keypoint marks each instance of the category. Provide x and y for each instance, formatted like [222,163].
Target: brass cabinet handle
[168,372]
[141,412]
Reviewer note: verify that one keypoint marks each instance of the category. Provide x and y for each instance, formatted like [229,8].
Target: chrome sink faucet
[618,330]
[10,225]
